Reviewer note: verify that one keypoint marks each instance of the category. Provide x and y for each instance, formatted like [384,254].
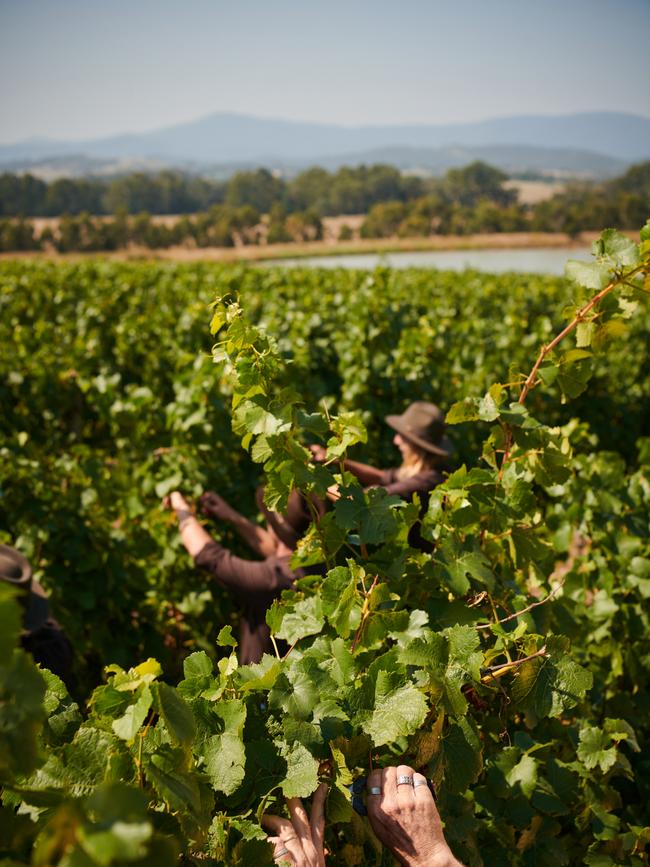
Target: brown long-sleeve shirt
[421,483]
[255,583]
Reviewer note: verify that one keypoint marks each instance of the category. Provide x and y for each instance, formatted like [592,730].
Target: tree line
[259,208]
[347,191]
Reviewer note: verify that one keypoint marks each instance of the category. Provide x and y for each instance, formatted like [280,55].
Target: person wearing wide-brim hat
[425,448]
[41,635]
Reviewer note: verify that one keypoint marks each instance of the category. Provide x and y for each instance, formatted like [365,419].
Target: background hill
[596,144]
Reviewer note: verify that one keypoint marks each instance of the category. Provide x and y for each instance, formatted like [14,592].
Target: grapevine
[507,664]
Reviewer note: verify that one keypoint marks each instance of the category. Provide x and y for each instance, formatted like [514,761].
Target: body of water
[529,260]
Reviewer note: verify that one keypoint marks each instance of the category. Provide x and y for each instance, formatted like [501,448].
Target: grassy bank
[266,252]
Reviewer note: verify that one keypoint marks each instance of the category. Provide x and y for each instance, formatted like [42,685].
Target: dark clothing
[49,647]
[421,483]
[255,583]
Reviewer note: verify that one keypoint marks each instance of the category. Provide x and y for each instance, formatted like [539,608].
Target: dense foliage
[511,662]
[259,208]
[346,191]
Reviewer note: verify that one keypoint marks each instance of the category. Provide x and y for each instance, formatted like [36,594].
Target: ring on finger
[405,780]
[374,790]
[281,853]
[417,783]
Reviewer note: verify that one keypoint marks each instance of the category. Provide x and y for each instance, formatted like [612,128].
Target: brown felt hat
[16,571]
[291,525]
[423,423]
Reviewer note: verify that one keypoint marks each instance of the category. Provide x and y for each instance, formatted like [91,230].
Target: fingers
[421,791]
[374,795]
[405,791]
[300,822]
[280,851]
[389,786]
[285,837]
[303,837]
[177,500]
[317,821]
[374,781]
[298,815]
[277,824]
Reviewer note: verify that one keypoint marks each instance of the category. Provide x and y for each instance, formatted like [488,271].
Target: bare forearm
[259,539]
[193,536]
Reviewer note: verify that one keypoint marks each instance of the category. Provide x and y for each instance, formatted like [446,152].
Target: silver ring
[281,853]
[417,783]
[374,790]
[405,780]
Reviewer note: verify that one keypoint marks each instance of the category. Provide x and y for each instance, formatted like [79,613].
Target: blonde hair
[416,460]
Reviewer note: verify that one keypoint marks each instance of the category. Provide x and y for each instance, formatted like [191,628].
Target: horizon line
[38,139]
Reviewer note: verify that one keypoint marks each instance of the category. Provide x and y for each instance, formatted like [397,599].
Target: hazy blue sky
[89,68]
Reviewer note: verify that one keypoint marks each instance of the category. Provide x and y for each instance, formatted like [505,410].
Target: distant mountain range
[590,145]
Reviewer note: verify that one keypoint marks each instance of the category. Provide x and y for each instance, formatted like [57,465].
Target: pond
[527,260]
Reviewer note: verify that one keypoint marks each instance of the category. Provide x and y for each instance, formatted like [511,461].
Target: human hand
[301,840]
[318,452]
[333,492]
[215,506]
[405,818]
[175,501]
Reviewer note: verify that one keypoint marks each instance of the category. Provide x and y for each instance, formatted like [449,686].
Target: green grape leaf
[488,406]
[175,713]
[92,757]
[616,249]
[397,711]
[371,513]
[22,713]
[595,749]
[584,333]
[63,716]
[341,601]
[198,664]
[574,372]
[166,486]
[123,841]
[463,410]
[297,620]
[348,430]
[297,697]
[225,761]
[591,275]
[128,725]
[225,637]
[459,761]
[548,686]
[455,564]
[302,772]
[176,787]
